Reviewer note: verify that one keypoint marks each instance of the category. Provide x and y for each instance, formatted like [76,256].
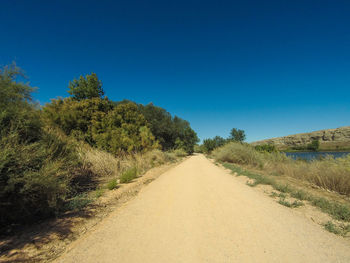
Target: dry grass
[329,173]
[106,167]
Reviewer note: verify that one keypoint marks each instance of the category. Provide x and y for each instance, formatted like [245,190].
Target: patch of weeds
[295,204]
[301,195]
[128,175]
[78,202]
[336,210]
[112,184]
[275,174]
[284,188]
[258,178]
[233,168]
[99,192]
[274,194]
[331,227]
[338,230]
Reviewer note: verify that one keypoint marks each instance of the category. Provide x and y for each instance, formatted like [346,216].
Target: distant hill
[330,139]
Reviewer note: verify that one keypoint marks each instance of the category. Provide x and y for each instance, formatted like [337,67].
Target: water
[315,155]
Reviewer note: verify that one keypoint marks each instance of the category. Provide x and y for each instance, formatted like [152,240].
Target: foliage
[35,177]
[266,148]
[237,135]
[17,115]
[124,129]
[78,202]
[128,175]
[48,156]
[211,144]
[36,164]
[87,87]
[328,173]
[314,145]
[338,211]
[81,119]
[112,184]
[171,132]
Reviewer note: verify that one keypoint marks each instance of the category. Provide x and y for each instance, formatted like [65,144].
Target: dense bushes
[171,132]
[37,164]
[266,148]
[49,156]
[236,135]
[211,144]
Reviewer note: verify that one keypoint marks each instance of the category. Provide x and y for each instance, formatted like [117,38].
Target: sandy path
[197,212]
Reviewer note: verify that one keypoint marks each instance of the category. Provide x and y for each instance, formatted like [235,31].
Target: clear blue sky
[271,68]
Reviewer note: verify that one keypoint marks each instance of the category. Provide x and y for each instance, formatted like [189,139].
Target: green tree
[37,163]
[314,145]
[237,135]
[17,113]
[80,119]
[124,129]
[211,144]
[161,125]
[171,132]
[87,87]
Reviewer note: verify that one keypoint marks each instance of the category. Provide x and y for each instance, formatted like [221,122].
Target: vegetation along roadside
[274,168]
[53,157]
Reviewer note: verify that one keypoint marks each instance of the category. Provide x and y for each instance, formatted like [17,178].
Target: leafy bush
[37,164]
[36,177]
[128,175]
[87,87]
[171,132]
[266,148]
[124,129]
[80,119]
[77,203]
[237,135]
[112,184]
[210,144]
[314,145]
[180,153]
[238,153]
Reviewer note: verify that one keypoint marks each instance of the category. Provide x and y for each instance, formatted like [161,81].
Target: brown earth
[198,212]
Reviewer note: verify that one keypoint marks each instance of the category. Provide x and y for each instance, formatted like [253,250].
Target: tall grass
[106,166]
[328,173]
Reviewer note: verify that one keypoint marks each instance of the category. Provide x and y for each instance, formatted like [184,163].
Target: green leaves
[237,135]
[87,87]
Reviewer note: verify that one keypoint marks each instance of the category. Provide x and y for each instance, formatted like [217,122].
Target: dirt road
[198,212]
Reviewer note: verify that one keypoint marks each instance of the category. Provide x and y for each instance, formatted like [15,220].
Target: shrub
[77,203]
[128,175]
[112,184]
[314,145]
[266,148]
[36,178]
[180,153]
[328,173]
[237,153]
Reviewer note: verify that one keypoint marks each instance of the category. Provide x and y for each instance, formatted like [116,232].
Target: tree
[80,119]
[17,114]
[171,132]
[314,145]
[211,144]
[237,135]
[87,87]
[161,124]
[124,129]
